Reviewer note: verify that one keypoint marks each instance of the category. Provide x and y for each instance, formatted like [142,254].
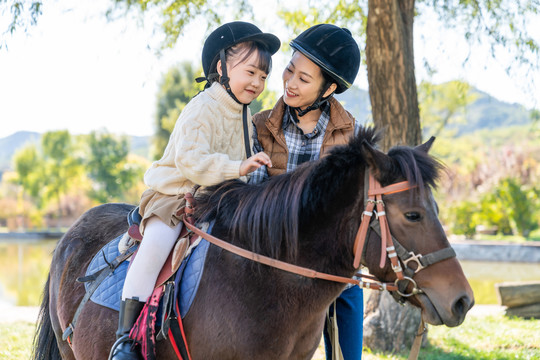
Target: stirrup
[121,340]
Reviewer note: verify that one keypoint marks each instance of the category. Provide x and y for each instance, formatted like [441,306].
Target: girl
[305,123]
[206,147]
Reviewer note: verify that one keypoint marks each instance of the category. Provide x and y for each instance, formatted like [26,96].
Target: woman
[303,125]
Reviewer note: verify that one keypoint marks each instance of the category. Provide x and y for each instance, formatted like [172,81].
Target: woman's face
[302,81]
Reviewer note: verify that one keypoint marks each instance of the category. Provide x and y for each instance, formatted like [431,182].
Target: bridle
[374,198]
[389,245]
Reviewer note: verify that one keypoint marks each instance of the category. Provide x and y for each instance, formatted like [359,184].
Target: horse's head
[444,295]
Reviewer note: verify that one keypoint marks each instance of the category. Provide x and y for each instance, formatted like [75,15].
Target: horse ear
[426,146]
[378,162]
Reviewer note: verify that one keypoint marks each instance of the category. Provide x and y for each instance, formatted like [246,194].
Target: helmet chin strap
[225,82]
[317,104]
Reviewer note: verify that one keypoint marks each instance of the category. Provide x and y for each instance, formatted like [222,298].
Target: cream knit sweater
[205,147]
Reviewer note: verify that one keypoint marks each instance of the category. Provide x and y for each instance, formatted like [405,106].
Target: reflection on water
[24,266]
[483,275]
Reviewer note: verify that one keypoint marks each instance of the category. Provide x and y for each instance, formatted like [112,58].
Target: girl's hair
[246,48]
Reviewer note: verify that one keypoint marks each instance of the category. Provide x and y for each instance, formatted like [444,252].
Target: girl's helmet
[230,34]
[334,50]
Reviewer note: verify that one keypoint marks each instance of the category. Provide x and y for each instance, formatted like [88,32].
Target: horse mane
[266,217]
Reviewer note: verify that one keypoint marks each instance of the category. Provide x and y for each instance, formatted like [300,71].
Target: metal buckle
[416,259]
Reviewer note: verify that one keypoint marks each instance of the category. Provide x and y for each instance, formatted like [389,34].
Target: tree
[176,89]
[107,166]
[442,105]
[62,166]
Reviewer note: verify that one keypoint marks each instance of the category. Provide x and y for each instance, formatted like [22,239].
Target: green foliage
[265,101]
[107,165]
[443,104]
[61,166]
[503,25]
[520,205]
[174,16]
[176,89]
[29,167]
[459,217]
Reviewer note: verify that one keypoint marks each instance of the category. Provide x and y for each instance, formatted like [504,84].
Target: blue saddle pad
[109,292]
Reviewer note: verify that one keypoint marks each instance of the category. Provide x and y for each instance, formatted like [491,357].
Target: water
[24,266]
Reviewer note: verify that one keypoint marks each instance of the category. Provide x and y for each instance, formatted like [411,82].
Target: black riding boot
[122,348]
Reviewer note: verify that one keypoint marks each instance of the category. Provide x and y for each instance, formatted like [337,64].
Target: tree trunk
[389,326]
[390,68]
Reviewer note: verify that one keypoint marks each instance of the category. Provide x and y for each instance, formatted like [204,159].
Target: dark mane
[266,217]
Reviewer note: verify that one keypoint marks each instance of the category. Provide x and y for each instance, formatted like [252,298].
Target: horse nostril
[461,306]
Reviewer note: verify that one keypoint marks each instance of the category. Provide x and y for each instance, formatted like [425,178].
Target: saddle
[178,280]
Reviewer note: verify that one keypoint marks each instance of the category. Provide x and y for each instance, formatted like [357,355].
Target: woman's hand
[254,162]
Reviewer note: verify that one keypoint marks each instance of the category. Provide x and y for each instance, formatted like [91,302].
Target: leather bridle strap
[283,265]
[374,196]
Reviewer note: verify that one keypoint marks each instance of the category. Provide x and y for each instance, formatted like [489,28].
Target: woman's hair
[246,48]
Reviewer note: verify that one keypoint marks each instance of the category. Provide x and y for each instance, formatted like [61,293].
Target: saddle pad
[109,292]
[189,275]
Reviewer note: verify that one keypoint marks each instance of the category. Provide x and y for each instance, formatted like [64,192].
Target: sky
[76,71]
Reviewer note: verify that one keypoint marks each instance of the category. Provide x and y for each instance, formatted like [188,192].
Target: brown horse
[308,217]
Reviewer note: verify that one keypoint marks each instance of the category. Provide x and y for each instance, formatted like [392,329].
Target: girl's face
[245,78]
[302,81]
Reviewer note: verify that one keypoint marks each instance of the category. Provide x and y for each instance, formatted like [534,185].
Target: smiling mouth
[290,94]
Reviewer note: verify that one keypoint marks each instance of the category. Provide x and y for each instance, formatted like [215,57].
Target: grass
[16,340]
[478,338]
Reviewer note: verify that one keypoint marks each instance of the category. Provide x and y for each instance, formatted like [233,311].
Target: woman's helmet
[334,50]
[233,33]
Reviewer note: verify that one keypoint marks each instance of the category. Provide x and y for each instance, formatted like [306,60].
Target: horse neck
[330,222]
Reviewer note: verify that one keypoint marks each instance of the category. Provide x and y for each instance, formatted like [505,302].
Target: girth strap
[97,278]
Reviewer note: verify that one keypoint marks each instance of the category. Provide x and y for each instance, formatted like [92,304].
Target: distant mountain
[9,145]
[357,102]
[486,112]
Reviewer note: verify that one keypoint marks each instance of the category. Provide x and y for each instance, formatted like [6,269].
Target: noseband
[389,244]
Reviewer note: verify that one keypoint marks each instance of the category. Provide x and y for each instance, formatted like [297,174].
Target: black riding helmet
[334,50]
[233,33]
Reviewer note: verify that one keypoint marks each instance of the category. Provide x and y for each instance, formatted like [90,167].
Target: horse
[309,218]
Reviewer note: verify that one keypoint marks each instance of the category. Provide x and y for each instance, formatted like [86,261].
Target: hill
[9,145]
[486,112]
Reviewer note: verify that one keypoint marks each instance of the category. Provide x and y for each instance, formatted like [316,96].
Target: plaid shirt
[301,147]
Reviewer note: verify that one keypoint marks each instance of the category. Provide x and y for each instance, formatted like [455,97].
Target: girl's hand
[254,162]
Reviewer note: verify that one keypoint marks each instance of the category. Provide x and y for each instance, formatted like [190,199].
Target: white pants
[157,243]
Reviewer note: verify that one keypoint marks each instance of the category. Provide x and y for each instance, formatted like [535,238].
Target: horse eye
[413,216]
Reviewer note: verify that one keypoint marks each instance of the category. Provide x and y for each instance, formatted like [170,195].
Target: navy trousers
[350,318]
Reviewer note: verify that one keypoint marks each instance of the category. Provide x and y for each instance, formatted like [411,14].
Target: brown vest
[270,133]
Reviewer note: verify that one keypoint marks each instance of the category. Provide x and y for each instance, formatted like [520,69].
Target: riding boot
[123,347]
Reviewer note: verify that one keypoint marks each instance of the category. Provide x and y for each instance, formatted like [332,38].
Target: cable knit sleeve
[196,155]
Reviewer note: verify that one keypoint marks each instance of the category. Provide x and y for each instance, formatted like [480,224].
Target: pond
[24,265]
